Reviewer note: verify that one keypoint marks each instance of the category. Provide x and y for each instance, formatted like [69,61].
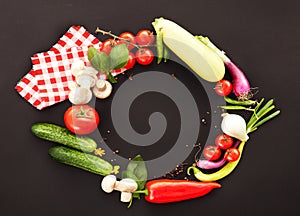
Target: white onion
[235,126]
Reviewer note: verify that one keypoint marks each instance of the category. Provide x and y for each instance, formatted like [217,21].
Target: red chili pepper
[166,190]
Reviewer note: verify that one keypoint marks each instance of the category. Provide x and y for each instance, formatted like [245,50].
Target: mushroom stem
[126,196]
[101,85]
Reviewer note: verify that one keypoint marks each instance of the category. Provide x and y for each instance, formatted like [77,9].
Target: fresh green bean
[236,108]
[240,102]
[266,119]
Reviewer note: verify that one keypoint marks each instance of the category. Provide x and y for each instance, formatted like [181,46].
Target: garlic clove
[235,126]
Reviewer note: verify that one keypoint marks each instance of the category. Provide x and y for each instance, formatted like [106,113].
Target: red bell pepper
[166,190]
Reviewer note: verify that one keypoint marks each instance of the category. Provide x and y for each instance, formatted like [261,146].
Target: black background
[261,36]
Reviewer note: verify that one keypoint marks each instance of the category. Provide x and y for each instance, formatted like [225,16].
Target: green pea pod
[225,171]
[236,108]
[159,47]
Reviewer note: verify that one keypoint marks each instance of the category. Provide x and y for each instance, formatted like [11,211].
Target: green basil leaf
[111,78]
[104,62]
[94,58]
[119,56]
[137,167]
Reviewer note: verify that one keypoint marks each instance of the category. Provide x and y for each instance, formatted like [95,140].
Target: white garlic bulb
[235,126]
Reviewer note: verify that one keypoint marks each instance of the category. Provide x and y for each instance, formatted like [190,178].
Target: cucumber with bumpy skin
[63,136]
[81,160]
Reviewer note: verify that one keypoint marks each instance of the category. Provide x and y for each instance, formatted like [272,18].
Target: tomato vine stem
[98,30]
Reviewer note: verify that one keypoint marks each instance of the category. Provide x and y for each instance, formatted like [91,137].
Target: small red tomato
[145,37]
[224,141]
[223,88]
[212,153]
[144,56]
[81,119]
[107,45]
[131,61]
[129,40]
[232,154]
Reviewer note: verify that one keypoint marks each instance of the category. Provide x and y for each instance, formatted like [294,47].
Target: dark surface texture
[262,37]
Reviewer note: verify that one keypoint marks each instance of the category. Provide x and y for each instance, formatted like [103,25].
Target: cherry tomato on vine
[131,61]
[81,119]
[128,37]
[212,153]
[223,87]
[232,154]
[144,56]
[224,141]
[145,37]
[107,45]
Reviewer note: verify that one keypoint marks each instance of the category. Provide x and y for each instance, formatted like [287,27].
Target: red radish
[241,85]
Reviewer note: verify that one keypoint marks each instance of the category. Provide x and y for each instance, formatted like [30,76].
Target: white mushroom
[91,71]
[80,95]
[126,196]
[72,85]
[108,183]
[77,67]
[126,185]
[102,89]
[85,80]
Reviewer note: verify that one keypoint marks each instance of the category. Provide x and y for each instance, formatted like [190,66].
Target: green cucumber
[81,160]
[63,136]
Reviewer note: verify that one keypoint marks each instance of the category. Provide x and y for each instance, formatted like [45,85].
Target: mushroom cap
[126,185]
[77,67]
[90,70]
[108,183]
[86,80]
[102,89]
[72,85]
[80,95]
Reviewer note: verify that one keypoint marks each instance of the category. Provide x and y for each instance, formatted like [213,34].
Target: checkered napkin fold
[47,82]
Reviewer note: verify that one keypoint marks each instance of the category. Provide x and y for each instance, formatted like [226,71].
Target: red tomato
[131,61]
[145,37]
[223,88]
[232,154]
[107,45]
[212,153]
[144,56]
[128,37]
[224,141]
[81,119]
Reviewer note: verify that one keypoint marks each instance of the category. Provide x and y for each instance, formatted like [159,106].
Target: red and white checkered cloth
[47,83]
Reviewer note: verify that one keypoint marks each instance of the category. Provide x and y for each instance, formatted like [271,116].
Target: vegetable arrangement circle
[204,102]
